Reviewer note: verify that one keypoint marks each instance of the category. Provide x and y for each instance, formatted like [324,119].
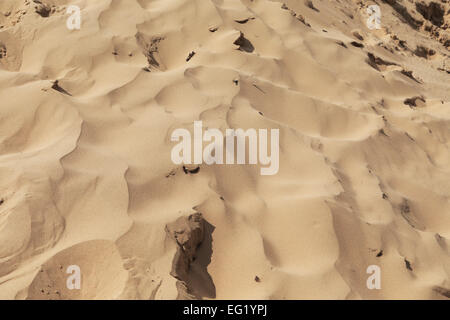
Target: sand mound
[101,270]
[87,180]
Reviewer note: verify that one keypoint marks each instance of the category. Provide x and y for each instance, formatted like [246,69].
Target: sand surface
[86,176]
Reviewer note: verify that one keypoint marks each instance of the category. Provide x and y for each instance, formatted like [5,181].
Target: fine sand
[87,180]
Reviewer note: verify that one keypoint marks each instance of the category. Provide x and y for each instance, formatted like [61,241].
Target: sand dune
[87,180]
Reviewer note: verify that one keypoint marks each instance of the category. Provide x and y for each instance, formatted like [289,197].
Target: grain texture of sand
[87,180]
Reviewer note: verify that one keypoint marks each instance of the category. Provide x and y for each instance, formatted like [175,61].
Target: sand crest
[87,184]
